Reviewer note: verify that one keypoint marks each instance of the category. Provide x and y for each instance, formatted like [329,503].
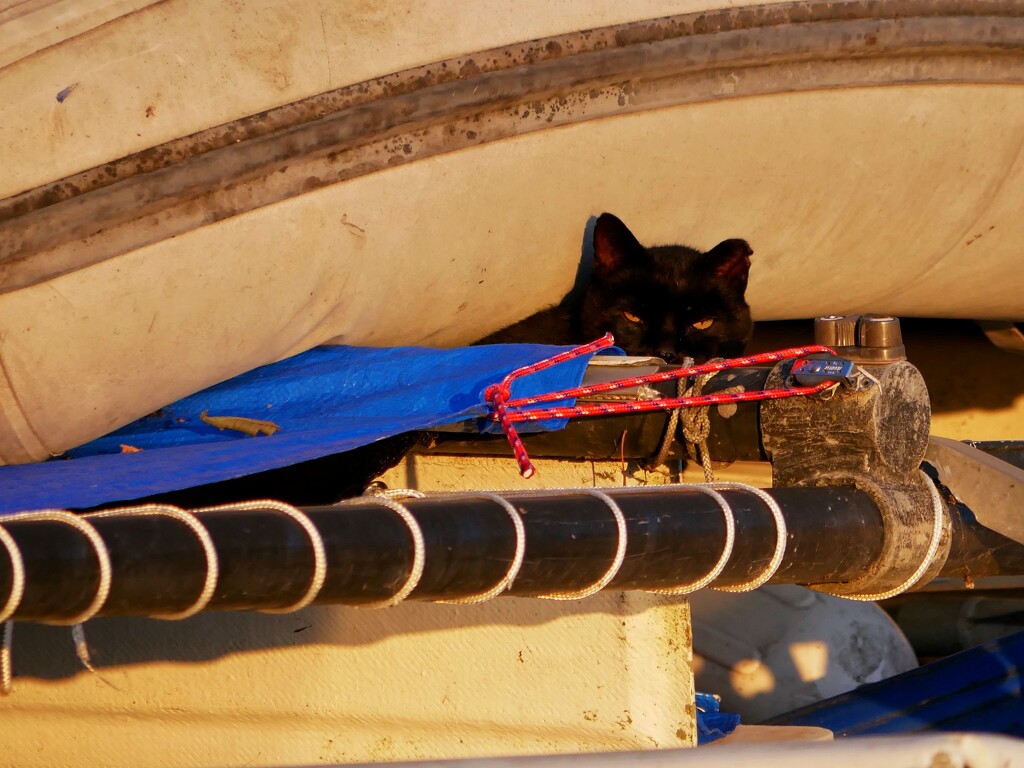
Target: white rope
[398,493]
[17,575]
[517,558]
[202,535]
[316,541]
[727,547]
[81,525]
[6,667]
[102,589]
[418,547]
[82,652]
[701,583]
[668,438]
[82,648]
[697,421]
[501,496]
[697,427]
[926,562]
[13,600]
[781,535]
[616,563]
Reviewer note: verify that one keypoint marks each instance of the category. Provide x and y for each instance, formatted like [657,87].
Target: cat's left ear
[730,260]
[615,247]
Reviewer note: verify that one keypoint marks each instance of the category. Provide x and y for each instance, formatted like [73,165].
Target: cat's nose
[668,355]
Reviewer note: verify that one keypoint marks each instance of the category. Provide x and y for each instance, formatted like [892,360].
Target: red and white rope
[508,411]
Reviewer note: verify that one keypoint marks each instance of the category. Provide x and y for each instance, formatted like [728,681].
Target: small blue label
[809,371]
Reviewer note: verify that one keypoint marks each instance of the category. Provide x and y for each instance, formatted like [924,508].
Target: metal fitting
[862,338]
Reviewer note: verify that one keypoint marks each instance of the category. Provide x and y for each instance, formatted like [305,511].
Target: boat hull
[218,231]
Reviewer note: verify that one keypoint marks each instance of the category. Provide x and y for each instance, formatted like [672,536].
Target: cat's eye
[703,325]
[631,317]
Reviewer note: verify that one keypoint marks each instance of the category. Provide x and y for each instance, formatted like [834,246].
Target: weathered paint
[327,685]
[366,127]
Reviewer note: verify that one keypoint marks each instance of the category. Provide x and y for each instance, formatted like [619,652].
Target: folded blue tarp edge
[325,401]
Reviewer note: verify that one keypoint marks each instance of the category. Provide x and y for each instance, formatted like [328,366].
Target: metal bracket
[1005,335]
[990,487]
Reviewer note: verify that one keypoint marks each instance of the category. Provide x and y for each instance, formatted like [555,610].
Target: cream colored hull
[162,232]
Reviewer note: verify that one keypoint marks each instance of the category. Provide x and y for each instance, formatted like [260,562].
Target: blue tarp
[325,401]
[980,689]
[713,724]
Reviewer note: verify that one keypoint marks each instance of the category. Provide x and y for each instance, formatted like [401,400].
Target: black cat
[668,301]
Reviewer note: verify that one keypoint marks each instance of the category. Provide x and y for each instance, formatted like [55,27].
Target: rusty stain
[409,81]
[65,92]
[150,110]
[344,124]
[352,227]
[979,235]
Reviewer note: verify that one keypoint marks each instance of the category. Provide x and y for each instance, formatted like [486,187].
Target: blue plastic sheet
[325,401]
[712,724]
[980,689]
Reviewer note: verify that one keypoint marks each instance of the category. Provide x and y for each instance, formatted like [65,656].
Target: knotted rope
[508,411]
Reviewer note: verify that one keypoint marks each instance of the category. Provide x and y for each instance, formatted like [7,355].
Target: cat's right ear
[615,247]
[730,260]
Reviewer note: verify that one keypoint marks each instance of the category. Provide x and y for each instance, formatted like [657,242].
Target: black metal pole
[266,560]
[674,536]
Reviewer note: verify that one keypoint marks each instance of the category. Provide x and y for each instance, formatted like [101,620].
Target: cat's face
[669,301]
